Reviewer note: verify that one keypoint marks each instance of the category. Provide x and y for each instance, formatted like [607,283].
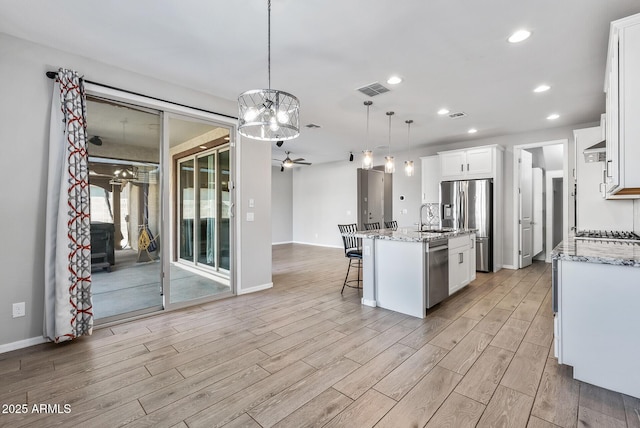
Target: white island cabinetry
[396,267]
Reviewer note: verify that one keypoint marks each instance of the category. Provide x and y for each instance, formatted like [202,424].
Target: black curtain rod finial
[52,74]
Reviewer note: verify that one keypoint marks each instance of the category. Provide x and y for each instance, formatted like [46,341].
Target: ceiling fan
[288,162]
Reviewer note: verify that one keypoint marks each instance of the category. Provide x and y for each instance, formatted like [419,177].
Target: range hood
[596,153]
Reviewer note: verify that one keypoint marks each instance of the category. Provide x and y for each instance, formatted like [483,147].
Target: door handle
[232,207]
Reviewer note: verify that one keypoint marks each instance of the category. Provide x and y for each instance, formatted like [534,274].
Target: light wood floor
[301,354]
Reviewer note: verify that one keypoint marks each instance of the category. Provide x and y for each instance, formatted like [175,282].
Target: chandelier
[268,114]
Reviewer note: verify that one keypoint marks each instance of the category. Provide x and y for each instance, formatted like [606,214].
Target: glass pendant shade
[268,115]
[389,165]
[408,164]
[367,155]
[408,168]
[367,159]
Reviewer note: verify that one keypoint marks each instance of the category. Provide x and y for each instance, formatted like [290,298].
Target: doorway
[139,263]
[537,216]
[201,210]
[375,196]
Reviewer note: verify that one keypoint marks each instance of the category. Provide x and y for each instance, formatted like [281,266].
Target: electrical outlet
[18,310]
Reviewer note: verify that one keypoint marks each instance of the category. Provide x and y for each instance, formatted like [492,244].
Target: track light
[350,156]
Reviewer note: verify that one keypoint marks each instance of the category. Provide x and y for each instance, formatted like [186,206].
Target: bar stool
[372,226]
[391,224]
[352,251]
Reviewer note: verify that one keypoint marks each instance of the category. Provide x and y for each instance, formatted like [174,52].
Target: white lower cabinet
[460,262]
[596,327]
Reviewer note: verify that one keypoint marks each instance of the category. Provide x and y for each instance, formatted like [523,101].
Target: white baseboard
[283,242]
[7,347]
[318,245]
[509,267]
[368,302]
[256,288]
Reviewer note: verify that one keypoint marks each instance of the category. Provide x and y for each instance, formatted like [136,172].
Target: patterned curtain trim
[72,309]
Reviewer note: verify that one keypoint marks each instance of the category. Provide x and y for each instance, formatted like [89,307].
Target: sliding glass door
[204,226]
[202,213]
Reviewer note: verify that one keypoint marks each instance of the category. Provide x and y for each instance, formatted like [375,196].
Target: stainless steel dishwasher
[436,277]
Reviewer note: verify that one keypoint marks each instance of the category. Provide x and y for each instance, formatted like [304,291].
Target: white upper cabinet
[622,85]
[430,179]
[473,163]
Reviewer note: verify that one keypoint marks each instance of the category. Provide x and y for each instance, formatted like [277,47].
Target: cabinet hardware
[460,258]
[467,167]
[461,167]
[608,162]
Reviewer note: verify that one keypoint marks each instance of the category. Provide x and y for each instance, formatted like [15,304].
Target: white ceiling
[451,54]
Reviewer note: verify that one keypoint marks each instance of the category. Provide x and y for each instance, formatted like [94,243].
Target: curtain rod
[54,74]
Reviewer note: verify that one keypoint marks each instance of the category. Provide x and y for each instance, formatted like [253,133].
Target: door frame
[515,180]
[168,110]
[550,176]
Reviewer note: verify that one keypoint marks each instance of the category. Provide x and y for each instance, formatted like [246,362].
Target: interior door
[375,197]
[538,212]
[526,208]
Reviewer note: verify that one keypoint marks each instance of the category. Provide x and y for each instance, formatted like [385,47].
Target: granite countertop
[596,251]
[408,234]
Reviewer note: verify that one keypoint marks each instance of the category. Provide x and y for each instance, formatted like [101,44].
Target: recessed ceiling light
[542,88]
[394,80]
[443,111]
[203,147]
[519,36]
[472,131]
[553,116]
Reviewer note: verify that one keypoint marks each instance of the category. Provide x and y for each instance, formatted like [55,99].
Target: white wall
[281,205]
[24,108]
[322,194]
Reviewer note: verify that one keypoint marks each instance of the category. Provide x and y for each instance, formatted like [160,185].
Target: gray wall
[324,193]
[24,108]
[281,205]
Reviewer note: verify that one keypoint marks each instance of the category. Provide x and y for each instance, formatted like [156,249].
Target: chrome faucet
[420,224]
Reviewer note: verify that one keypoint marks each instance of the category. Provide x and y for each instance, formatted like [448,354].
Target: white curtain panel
[68,306]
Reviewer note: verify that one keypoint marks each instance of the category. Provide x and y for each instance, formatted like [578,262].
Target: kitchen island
[409,271]
[596,288]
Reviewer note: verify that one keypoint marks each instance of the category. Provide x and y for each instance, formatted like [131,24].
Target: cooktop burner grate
[608,235]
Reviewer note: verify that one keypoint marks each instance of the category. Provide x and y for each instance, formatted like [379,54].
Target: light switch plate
[250,216]
[252,203]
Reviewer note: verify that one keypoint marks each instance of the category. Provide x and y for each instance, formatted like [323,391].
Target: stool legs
[358,281]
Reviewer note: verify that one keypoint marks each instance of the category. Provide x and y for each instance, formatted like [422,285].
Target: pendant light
[268,114]
[367,155]
[389,165]
[408,164]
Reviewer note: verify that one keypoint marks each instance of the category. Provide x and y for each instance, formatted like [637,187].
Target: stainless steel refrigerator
[468,204]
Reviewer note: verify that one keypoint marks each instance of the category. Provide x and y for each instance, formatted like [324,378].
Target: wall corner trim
[368,302]
[22,344]
[256,288]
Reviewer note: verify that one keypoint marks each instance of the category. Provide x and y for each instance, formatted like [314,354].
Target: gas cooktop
[608,235]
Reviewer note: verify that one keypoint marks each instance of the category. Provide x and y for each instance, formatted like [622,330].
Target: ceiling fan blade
[297,160]
[302,163]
